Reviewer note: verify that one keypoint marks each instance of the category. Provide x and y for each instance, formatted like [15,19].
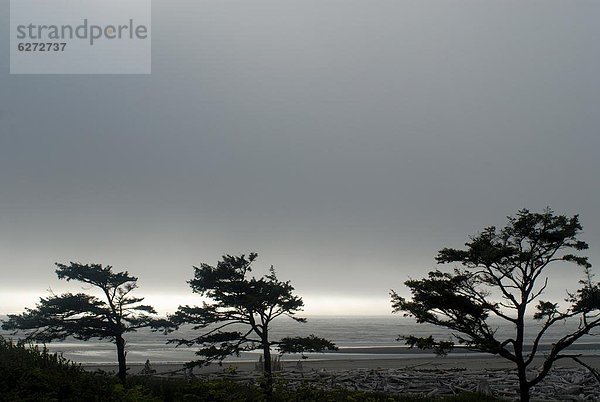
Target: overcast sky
[345,141]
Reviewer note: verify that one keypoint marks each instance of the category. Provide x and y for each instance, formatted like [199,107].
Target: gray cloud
[345,141]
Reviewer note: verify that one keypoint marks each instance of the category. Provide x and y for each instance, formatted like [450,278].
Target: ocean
[358,337]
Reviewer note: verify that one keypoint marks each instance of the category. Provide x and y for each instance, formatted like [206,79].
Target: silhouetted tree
[84,316]
[509,262]
[240,312]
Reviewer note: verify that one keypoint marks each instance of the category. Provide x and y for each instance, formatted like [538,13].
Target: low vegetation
[31,373]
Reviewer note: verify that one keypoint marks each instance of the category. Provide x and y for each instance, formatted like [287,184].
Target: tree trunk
[121,358]
[524,393]
[521,367]
[523,385]
[268,371]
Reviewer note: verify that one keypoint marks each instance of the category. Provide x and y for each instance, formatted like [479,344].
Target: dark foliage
[240,312]
[304,344]
[84,316]
[30,373]
[511,262]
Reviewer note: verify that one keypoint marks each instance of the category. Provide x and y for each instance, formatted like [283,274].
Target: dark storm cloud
[345,141]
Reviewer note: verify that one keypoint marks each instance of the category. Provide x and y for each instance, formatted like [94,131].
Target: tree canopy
[240,311]
[83,316]
[503,273]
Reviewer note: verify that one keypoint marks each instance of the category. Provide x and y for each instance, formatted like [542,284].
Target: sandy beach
[419,376]
[449,363]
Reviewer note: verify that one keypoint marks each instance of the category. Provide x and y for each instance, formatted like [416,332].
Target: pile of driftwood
[562,384]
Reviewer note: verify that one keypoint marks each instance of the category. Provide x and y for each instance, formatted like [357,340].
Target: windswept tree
[110,315]
[503,274]
[240,312]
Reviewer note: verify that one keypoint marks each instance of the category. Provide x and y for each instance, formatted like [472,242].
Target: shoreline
[448,363]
